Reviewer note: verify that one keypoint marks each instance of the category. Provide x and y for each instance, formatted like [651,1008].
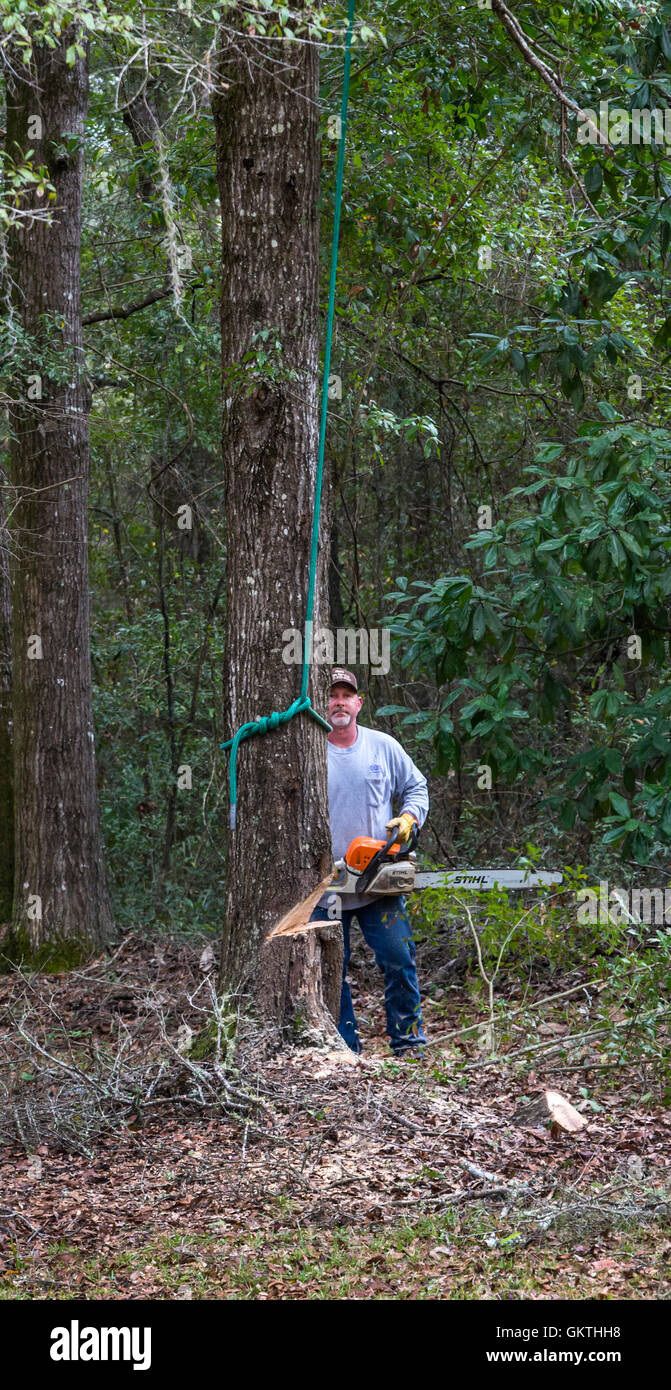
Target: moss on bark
[50,957]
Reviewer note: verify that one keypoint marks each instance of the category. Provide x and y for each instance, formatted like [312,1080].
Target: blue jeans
[386,929]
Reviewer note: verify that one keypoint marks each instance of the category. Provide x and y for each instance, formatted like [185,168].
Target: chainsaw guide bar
[379,868]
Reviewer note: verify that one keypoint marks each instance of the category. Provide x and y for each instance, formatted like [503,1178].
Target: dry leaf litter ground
[129,1169]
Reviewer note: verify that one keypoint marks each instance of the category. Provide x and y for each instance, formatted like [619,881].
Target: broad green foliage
[575,582]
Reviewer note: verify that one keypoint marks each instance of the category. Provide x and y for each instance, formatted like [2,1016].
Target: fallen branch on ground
[50,1097]
[575,1040]
[513,1013]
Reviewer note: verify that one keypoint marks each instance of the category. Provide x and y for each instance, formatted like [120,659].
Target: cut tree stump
[549,1108]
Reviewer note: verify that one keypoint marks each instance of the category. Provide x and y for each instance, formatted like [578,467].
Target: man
[366,771]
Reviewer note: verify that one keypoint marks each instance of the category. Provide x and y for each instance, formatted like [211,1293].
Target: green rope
[303,703]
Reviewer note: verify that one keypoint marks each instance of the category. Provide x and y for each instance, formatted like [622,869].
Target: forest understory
[132,1166]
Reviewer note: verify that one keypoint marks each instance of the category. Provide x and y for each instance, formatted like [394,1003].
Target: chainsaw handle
[410,843]
[383,854]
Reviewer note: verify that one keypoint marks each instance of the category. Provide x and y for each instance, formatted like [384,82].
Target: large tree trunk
[61,905]
[266,123]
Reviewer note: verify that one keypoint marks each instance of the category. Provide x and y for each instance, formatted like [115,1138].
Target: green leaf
[602,286]
[631,544]
[547,453]
[479,624]
[555,544]
[616,550]
[576,392]
[567,815]
[616,832]
[663,334]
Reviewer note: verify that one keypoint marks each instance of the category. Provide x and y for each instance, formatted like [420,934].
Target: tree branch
[522,41]
[102,315]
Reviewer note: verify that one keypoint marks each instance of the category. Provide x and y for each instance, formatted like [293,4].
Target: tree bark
[6,771]
[266,123]
[61,908]
[141,116]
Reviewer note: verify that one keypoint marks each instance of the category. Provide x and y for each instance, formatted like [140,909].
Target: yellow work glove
[404,823]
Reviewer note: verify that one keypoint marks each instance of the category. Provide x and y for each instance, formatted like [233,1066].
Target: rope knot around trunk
[263,725]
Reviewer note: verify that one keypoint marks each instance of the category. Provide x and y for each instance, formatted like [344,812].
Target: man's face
[344,705]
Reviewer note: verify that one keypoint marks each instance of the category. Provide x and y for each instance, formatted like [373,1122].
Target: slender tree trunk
[61,906]
[115,523]
[6,771]
[335,596]
[6,711]
[171,806]
[266,123]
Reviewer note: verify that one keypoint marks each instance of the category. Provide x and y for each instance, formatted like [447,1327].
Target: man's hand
[405,823]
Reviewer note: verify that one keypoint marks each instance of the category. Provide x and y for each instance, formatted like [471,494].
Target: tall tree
[266,110]
[6,771]
[61,906]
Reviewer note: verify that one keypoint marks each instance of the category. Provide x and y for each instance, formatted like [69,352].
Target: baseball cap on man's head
[339,676]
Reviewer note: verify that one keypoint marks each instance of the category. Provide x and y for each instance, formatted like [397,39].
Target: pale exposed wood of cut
[297,919]
[550,1105]
[562,1113]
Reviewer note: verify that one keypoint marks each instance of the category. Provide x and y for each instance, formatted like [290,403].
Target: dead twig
[513,1013]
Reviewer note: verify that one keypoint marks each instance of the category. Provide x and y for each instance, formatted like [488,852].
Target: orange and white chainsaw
[382,867]
[379,867]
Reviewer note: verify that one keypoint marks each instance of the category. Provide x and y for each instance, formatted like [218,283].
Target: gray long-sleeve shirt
[363,780]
